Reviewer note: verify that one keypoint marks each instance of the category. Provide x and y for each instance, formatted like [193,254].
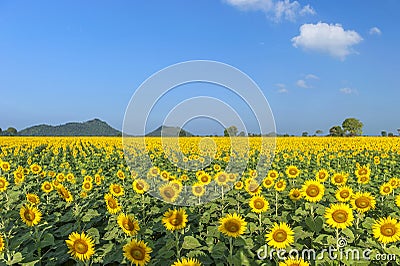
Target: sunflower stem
[39,249]
[260,221]
[230,251]
[276,203]
[178,252]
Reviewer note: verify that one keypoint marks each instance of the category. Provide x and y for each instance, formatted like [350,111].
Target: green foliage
[352,126]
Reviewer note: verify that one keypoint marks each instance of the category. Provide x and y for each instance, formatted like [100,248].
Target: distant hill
[169,132]
[94,127]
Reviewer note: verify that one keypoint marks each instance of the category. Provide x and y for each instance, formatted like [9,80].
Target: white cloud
[375,31]
[282,88]
[311,76]
[302,83]
[326,38]
[276,10]
[347,90]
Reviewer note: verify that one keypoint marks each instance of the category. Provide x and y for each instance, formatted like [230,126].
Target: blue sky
[317,62]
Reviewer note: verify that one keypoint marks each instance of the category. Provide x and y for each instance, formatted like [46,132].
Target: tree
[11,131]
[336,131]
[318,131]
[352,126]
[390,134]
[231,131]
[383,133]
[242,134]
[304,134]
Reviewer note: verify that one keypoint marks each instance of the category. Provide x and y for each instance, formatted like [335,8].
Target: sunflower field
[76,201]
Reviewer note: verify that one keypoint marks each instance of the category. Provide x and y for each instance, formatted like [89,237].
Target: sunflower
[217,167]
[294,262]
[177,185]
[339,216]
[65,194]
[3,184]
[187,262]
[204,178]
[97,179]
[2,243]
[81,246]
[113,206]
[87,186]
[198,189]
[19,176]
[362,171]
[398,200]
[60,177]
[116,190]
[239,185]
[268,182]
[252,187]
[292,171]
[120,175]
[394,182]
[128,224]
[344,193]
[88,178]
[140,186]
[386,230]
[364,179]
[363,202]
[33,198]
[312,190]
[280,236]
[273,174]
[47,187]
[164,175]
[30,215]
[71,178]
[5,166]
[280,185]
[137,252]
[232,225]
[175,219]
[339,179]
[322,175]
[258,204]
[295,194]
[154,171]
[221,178]
[168,193]
[385,189]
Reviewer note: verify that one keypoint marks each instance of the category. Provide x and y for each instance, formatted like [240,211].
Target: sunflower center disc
[339,216]
[137,254]
[388,230]
[128,225]
[259,204]
[312,191]
[344,194]
[112,204]
[80,247]
[280,235]
[362,202]
[30,216]
[175,221]
[338,179]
